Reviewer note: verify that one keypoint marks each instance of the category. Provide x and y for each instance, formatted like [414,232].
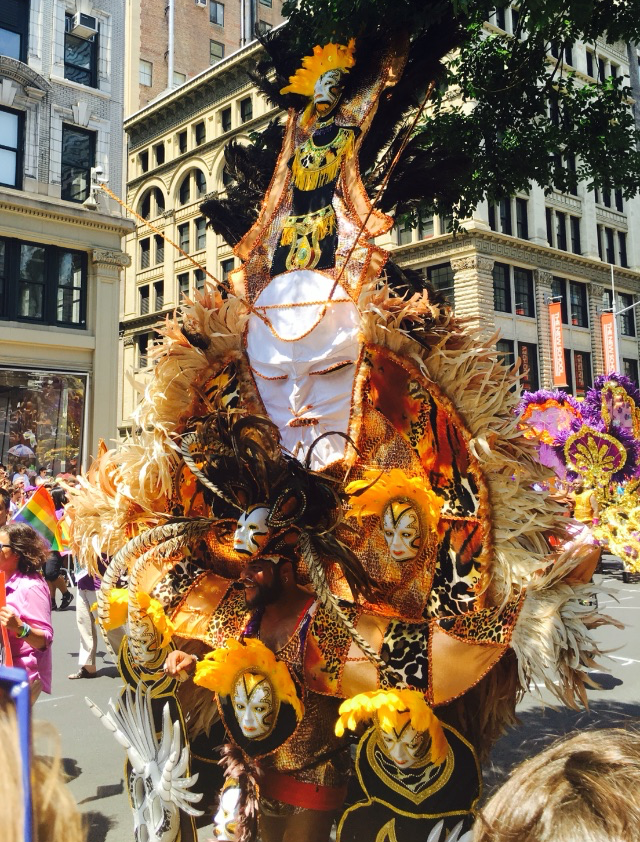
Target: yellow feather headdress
[371,496]
[389,708]
[329,57]
[219,670]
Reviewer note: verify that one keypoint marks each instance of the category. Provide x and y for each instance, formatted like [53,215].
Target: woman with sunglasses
[27,613]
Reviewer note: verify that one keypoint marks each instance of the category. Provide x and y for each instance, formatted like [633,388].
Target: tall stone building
[171,41]
[502,271]
[61,111]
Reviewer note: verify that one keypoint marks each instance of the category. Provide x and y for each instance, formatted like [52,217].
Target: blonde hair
[584,787]
[55,813]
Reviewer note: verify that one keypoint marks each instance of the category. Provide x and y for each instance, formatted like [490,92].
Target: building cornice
[55,210]
[500,246]
[11,68]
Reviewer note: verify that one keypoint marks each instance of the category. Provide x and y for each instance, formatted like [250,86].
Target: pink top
[30,597]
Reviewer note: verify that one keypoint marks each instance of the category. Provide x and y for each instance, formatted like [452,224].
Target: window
[158,153]
[183,283]
[152,203]
[622,248]
[266,3]
[145,76]
[216,13]
[559,292]
[504,347]
[264,26]
[246,109]
[14,28]
[158,295]
[80,57]
[142,343]
[31,281]
[216,52]
[523,286]
[590,63]
[579,309]
[182,142]
[10,148]
[569,372]
[574,223]
[602,70]
[501,19]
[78,157]
[557,222]
[528,353]
[201,233]
[630,368]
[426,227]
[158,242]
[143,161]
[627,319]
[179,78]
[199,133]
[404,233]
[71,292]
[609,245]
[225,119]
[199,279]
[582,371]
[183,236]
[145,253]
[226,266]
[441,278]
[143,299]
[200,182]
[501,288]
[502,214]
[619,200]
[184,193]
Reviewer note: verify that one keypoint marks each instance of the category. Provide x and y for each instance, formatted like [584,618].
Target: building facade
[61,112]
[171,41]
[502,271]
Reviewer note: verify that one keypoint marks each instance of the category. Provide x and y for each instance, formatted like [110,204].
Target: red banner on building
[557,345]
[608,327]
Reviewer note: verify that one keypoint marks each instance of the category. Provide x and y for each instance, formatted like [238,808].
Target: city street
[94,761]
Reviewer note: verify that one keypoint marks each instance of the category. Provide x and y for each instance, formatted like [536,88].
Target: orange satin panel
[456,666]
[193,616]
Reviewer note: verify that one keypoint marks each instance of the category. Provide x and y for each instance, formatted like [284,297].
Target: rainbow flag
[40,513]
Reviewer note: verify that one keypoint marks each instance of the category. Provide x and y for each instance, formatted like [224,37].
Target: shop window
[43,410]
[582,372]
[80,56]
[78,157]
[528,353]
[630,368]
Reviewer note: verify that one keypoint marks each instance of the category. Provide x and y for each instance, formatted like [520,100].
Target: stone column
[473,286]
[103,395]
[543,291]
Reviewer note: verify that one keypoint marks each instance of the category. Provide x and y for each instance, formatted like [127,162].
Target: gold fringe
[319,224]
[306,178]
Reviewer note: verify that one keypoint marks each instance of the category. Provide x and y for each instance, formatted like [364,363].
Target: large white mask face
[327,91]
[251,531]
[401,531]
[225,819]
[407,747]
[305,367]
[253,705]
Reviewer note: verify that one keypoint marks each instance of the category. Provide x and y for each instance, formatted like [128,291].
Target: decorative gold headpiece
[219,670]
[370,496]
[329,57]
[390,708]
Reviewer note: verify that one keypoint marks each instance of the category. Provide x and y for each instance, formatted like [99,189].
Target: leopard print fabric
[174,585]
[490,625]
[406,650]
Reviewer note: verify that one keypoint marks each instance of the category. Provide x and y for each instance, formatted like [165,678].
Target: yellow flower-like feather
[219,670]
[388,708]
[329,57]
[118,608]
[154,610]
[372,494]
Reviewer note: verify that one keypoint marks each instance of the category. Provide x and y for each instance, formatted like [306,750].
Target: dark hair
[42,468]
[59,497]
[5,498]
[30,546]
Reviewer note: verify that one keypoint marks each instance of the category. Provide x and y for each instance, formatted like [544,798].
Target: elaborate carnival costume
[593,447]
[392,474]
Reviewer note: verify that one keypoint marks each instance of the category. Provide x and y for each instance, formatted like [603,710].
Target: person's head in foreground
[584,788]
[55,814]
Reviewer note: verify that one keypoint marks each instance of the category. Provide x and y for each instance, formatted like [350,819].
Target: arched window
[152,203]
[193,186]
